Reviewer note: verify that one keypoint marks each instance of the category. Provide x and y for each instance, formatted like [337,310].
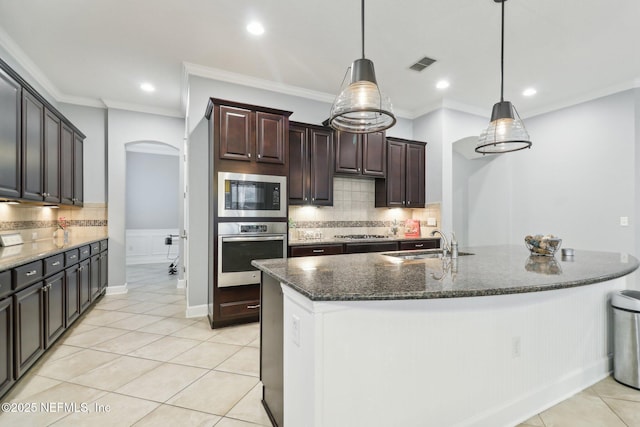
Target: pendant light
[361,107]
[506,132]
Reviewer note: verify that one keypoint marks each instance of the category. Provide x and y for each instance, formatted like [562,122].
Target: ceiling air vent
[423,63]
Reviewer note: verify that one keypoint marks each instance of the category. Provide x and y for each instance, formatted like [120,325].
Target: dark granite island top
[491,270]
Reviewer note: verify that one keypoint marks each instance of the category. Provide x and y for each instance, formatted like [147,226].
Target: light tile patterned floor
[137,355]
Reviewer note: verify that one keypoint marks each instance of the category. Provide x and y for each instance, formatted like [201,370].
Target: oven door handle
[251,239]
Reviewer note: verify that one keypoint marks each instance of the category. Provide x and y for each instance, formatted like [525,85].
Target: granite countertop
[14,256]
[334,240]
[492,270]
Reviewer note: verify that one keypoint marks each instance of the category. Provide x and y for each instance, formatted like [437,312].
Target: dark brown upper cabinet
[405,183]
[32,147]
[10,144]
[66,165]
[361,154]
[78,169]
[52,127]
[256,136]
[310,165]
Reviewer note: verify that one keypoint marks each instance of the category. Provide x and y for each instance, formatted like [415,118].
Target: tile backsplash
[39,222]
[353,212]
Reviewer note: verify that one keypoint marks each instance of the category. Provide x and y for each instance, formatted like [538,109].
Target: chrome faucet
[445,245]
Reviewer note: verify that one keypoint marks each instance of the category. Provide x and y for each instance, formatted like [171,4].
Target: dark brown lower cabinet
[356,248]
[6,340]
[29,327]
[84,284]
[54,303]
[94,277]
[104,266]
[72,293]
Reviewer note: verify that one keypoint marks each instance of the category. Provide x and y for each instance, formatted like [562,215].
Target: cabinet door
[395,182]
[298,165]
[321,170]
[94,277]
[236,133]
[348,153]
[66,165]
[32,147]
[415,174]
[84,285]
[78,169]
[28,327]
[55,316]
[51,157]
[10,146]
[6,345]
[374,155]
[270,137]
[72,294]
[104,269]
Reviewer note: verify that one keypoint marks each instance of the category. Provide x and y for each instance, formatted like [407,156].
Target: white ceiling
[97,52]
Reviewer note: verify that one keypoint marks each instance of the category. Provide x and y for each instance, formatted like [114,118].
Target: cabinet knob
[259,156]
[30,273]
[358,169]
[313,199]
[249,155]
[409,202]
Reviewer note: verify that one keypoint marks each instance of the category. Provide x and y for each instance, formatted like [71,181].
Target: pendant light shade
[361,107]
[506,131]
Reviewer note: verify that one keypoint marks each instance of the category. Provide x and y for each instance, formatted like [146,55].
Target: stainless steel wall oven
[241,242]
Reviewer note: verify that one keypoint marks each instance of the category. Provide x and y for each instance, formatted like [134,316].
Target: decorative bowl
[540,245]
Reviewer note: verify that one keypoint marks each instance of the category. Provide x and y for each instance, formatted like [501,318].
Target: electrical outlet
[431,222]
[295,330]
[515,347]
[624,221]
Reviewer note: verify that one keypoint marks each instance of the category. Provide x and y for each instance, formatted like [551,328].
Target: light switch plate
[10,239]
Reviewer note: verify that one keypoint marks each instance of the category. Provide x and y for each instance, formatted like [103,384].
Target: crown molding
[142,108]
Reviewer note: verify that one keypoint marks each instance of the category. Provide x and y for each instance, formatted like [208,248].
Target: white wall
[576,181]
[125,127]
[152,190]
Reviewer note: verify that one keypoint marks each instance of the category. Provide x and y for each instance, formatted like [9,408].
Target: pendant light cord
[501,56]
[362,21]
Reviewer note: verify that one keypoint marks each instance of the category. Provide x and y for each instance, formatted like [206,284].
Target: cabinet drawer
[420,244]
[355,248]
[85,252]
[316,250]
[53,264]
[104,245]
[95,248]
[71,257]
[27,274]
[5,283]
[240,309]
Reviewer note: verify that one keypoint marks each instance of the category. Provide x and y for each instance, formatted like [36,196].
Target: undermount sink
[421,255]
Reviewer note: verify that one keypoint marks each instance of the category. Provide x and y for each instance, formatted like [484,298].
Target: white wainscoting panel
[148,246]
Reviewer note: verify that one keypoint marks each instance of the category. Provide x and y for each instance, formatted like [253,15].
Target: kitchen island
[488,339]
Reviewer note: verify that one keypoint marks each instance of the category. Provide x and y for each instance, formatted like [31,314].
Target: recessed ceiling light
[255,28]
[443,84]
[147,87]
[529,92]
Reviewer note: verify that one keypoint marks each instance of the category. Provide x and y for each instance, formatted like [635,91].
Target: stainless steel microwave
[243,195]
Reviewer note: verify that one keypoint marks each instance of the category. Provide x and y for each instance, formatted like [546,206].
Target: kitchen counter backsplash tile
[353,212]
[38,222]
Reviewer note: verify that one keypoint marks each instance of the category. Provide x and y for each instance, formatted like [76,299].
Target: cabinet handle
[56,263]
[253,306]
[259,156]
[30,273]
[318,251]
[49,285]
[249,155]
[358,169]
[80,268]
[44,288]
[420,245]
[305,199]
[73,256]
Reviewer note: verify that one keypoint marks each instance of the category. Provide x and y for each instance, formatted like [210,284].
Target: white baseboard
[116,290]
[181,284]
[196,311]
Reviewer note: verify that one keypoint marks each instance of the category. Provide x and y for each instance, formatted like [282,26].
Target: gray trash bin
[626,337]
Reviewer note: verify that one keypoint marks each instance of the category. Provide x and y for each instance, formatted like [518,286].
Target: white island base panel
[482,361]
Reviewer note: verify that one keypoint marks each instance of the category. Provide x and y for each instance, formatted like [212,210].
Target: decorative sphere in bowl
[546,245]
